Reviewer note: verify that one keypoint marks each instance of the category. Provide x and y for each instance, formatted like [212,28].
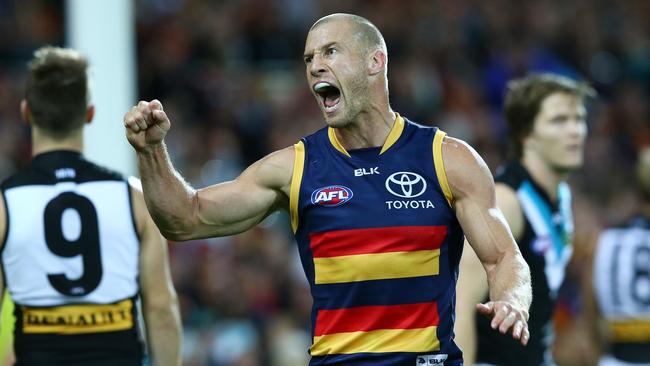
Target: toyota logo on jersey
[406,184]
[331,196]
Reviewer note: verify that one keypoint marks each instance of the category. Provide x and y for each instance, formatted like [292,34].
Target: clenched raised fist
[146,125]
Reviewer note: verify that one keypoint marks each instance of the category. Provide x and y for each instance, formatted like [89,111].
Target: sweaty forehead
[331,31]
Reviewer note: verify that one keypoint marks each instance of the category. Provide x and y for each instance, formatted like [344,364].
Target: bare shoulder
[466,170]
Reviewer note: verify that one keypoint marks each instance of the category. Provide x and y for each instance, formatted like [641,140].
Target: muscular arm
[472,284]
[160,304]
[487,232]
[183,213]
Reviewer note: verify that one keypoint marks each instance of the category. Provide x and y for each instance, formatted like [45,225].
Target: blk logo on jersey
[363,171]
[331,196]
[431,360]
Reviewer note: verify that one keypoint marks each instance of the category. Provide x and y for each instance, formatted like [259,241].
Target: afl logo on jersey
[331,196]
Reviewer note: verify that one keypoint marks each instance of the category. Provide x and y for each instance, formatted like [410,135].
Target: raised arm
[182,212]
[487,232]
[159,301]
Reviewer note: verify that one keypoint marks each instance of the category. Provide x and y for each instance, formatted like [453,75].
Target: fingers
[505,318]
[501,311]
[525,336]
[485,309]
[155,105]
[134,120]
[159,115]
[520,332]
[508,322]
[143,115]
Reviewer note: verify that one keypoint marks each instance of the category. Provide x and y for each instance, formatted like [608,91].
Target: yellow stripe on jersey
[296,179]
[440,165]
[375,341]
[331,133]
[631,330]
[365,267]
[394,134]
[78,319]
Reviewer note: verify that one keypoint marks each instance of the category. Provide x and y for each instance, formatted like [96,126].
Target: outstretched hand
[507,318]
[146,125]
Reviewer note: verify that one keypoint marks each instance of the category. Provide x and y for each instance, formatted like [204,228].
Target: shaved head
[346,67]
[366,32]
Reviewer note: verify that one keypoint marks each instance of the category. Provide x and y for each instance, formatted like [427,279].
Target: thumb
[485,309]
[159,116]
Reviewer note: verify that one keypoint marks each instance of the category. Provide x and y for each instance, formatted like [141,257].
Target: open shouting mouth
[330,95]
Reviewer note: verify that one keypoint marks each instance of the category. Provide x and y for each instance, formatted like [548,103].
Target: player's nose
[317,66]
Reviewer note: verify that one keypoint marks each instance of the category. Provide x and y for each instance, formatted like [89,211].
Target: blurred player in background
[78,246]
[378,206]
[546,130]
[617,285]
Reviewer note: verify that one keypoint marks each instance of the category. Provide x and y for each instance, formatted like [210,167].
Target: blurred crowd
[231,77]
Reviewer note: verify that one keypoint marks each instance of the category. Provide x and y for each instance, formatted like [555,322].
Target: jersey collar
[393,136]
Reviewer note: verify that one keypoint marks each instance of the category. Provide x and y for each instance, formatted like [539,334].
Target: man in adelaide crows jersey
[617,284]
[78,246]
[547,129]
[379,206]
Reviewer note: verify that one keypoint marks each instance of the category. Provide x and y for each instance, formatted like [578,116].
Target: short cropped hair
[368,33]
[57,90]
[523,101]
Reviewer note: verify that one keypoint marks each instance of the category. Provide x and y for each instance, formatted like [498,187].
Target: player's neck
[369,129]
[42,143]
[544,174]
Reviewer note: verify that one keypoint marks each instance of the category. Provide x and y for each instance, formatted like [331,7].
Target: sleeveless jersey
[546,245]
[621,280]
[70,263]
[380,246]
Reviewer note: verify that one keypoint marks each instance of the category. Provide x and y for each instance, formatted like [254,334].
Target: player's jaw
[573,155]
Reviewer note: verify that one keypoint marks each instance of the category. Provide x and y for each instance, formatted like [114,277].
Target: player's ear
[377,62]
[90,113]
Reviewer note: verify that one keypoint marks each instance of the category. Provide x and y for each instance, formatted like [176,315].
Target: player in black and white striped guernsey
[617,295]
[78,245]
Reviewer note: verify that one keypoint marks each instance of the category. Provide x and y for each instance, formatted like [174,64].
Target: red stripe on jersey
[366,318]
[378,240]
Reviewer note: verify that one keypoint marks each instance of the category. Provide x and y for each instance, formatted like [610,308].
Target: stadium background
[231,77]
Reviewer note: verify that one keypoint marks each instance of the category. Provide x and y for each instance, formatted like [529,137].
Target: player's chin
[571,163]
[336,120]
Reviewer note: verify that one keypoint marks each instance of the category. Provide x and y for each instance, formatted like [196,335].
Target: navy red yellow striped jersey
[380,245]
